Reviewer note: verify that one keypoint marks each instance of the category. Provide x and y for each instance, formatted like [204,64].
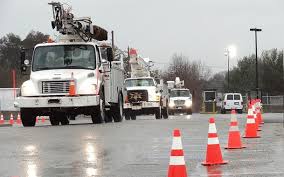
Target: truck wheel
[127,114]
[189,112]
[63,119]
[118,110]
[133,115]
[71,117]
[54,120]
[158,113]
[28,119]
[108,117]
[166,112]
[100,113]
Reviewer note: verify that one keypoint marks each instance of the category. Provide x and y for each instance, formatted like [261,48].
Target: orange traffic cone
[177,166]
[72,90]
[257,120]
[42,119]
[251,127]
[11,119]
[2,119]
[19,119]
[260,117]
[234,140]
[214,154]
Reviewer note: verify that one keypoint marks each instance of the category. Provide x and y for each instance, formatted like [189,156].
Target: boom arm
[139,67]
[66,24]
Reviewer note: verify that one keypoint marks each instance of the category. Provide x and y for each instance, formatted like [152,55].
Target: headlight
[157,97]
[188,103]
[171,104]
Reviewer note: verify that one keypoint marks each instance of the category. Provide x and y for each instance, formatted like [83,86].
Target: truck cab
[143,96]
[180,101]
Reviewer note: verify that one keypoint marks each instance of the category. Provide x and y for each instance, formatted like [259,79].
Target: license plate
[136,107]
[236,103]
[179,107]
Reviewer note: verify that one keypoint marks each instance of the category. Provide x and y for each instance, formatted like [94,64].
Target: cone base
[251,136]
[216,163]
[235,147]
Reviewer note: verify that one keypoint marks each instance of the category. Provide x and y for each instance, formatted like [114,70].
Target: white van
[232,101]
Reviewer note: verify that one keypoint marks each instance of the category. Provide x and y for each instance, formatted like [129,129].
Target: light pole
[227,53]
[256,67]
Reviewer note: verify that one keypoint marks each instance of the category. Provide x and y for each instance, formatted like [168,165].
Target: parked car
[232,101]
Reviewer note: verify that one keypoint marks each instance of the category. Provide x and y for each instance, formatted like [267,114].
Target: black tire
[240,111]
[63,119]
[100,113]
[133,115]
[54,120]
[118,110]
[223,111]
[127,114]
[189,112]
[158,113]
[108,117]
[28,119]
[166,113]
[71,117]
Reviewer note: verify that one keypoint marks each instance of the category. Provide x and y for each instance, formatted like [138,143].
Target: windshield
[139,82]
[180,93]
[64,57]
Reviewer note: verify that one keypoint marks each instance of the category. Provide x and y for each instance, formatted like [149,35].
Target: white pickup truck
[144,96]
[76,75]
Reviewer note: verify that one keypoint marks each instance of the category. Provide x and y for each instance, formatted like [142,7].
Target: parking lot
[138,148]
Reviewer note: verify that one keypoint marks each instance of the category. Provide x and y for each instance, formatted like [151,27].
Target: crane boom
[65,23]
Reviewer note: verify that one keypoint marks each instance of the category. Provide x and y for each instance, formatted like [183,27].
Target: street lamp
[256,68]
[227,53]
[230,52]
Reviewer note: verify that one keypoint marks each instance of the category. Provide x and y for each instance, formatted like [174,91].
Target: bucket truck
[180,98]
[75,75]
[143,94]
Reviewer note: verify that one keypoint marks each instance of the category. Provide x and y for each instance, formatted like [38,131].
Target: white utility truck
[76,75]
[143,94]
[180,98]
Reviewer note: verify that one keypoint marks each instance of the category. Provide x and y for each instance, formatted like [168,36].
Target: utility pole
[227,53]
[256,67]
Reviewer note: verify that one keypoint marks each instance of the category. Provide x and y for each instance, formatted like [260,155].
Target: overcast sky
[200,29]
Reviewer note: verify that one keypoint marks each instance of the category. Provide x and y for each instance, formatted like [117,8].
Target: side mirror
[24,62]
[109,54]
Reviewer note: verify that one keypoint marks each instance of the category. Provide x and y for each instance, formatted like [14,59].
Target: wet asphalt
[139,148]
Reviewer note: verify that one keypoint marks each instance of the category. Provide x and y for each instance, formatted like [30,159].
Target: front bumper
[56,102]
[180,108]
[141,105]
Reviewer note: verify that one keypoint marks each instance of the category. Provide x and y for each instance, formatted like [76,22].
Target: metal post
[112,39]
[228,71]
[256,67]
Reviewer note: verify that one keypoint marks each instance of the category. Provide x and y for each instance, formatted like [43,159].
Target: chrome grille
[179,102]
[55,86]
